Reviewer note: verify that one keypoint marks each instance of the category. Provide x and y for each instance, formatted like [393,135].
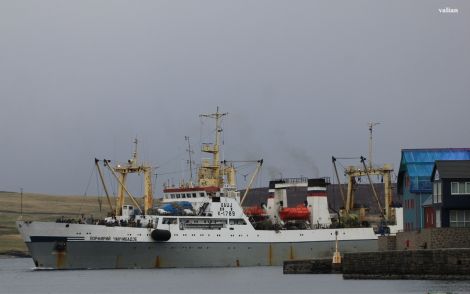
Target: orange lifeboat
[254,211]
[294,213]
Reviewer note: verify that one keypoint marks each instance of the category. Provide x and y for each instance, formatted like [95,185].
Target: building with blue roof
[414,181]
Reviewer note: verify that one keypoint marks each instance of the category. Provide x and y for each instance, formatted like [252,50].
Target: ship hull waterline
[110,255]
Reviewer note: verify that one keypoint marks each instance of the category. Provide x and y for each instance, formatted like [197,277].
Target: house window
[459,218]
[437,192]
[460,188]
[454,188]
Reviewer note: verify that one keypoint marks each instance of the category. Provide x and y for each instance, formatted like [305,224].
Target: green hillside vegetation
[41,207]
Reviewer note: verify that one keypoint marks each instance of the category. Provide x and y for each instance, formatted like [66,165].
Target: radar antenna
[190,161]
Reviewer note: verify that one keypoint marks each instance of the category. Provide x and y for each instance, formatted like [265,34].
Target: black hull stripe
[198,242]
[55,239]
[47,239]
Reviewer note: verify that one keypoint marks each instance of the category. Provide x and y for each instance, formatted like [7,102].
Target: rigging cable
[98,191]
[113,183]
[86,190]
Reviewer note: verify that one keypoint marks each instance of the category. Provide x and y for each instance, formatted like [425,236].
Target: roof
[452,169]
[427,202]
[419,164]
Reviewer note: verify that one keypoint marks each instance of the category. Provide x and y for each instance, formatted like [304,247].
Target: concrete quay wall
[432,238]
[408,264]
[385,243]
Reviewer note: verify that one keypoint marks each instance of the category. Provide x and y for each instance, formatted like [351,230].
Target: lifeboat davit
[294,213]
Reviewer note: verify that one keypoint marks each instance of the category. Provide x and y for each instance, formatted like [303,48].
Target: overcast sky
[300,80]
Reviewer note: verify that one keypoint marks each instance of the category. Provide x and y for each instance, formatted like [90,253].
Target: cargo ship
[201,224]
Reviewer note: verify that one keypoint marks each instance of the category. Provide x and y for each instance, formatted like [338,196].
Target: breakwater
[437,264]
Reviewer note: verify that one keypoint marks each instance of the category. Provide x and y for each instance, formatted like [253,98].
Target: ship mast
[190,161]
[210,174]
[371,128]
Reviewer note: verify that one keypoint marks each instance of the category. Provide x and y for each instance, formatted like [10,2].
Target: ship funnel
[317,203]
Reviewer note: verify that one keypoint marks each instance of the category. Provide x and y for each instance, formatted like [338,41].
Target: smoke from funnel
[303,163]
[274,172]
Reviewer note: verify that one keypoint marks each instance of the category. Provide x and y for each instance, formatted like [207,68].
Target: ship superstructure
[215,178]
[200,224]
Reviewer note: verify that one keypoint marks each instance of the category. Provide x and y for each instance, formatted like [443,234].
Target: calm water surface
[17,276]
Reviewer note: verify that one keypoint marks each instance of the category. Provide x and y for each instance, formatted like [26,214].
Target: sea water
[17,275]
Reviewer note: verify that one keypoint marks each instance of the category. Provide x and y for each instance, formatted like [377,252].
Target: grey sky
[300,80]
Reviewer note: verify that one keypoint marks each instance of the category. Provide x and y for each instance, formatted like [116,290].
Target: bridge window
[169,220]
[237,221]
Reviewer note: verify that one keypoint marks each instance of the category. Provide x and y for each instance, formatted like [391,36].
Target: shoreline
[14,254]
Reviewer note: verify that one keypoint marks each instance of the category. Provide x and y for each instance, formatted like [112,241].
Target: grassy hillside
[41,207]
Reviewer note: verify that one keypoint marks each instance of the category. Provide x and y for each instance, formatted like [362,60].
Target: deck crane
[372,187]
[255,173]
[104,184]
[253,176]
[333,159]
[120,173]
[353,172]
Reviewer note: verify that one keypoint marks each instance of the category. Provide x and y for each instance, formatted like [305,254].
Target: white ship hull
[81,246]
